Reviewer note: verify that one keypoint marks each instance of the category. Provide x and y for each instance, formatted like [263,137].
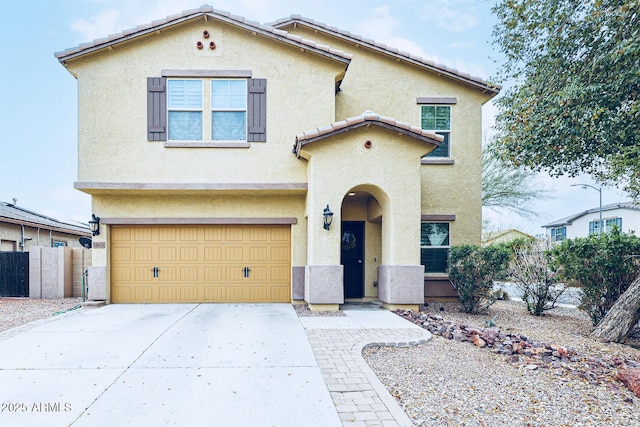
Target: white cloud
[452,15]
[381,26]
[97,26]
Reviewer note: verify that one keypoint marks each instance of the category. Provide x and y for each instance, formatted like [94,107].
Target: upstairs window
[437,118]
[434,246]
[229,110]
[558,234]
[596,227]
[184,105]
[211,106]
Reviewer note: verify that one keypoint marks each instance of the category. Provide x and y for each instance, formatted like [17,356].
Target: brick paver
[360,398]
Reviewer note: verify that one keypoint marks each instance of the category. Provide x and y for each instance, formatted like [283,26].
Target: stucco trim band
[434,161]
[155,186]
[207,145]
[207,73]
[199,221]
[436,217]
[436,100]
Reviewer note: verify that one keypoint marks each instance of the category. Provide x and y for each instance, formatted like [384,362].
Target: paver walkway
[337,342]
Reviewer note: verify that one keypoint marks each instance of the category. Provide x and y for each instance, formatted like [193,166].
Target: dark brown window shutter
[157,109]
[257,110]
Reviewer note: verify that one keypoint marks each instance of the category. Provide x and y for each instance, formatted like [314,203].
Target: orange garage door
[207,263]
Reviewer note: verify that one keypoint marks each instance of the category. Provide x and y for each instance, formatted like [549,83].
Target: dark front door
[352,258]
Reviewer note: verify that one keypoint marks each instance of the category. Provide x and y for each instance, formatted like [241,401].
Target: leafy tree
[472,270]
[507,187]
[603,265]
[574,106]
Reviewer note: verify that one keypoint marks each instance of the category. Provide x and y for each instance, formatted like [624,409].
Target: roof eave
[490,89]
[114,40]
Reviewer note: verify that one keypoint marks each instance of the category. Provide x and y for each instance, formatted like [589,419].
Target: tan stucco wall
[112,94]
[389,171]
[388,87]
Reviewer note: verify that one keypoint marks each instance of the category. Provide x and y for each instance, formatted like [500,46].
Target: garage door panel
[189,293]
[189,273]
[258,293]
[143,253]
[279,294]
[168,274]
[200,263]
[121,254]
[213,253]
[142,293]
[167,293]
[233,293]
[213,274]
[189,253]
[233,253]
[280,254]
[214,293]
[167,253]
[142,234]
[142,273]
[233,273]
[167,234]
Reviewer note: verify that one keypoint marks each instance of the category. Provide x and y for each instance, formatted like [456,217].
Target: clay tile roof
[383,48]
[140,30]
[367,117]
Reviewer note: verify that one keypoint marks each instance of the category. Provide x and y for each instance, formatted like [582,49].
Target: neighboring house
[504,236]
[186,129]
[625,215]
[21,228]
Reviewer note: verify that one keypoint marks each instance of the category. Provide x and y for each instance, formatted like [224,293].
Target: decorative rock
[479,342]
[631,378]
[532,367]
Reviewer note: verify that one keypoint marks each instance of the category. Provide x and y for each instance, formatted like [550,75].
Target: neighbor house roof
[205,11]
[390,51]
[365,119]
[16,215]
[503,236]
[569,220]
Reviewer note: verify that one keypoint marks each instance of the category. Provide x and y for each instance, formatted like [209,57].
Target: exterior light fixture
[94,224]
[328,217]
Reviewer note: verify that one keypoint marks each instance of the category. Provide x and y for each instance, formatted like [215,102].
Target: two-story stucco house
[624,215]
[230,161]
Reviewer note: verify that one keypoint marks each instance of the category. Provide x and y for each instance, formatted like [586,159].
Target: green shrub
[472,270]
[603,265]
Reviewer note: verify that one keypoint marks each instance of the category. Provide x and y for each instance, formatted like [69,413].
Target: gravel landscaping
[19,311]
[452,382]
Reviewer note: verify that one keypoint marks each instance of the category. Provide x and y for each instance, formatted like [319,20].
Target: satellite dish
[85,242]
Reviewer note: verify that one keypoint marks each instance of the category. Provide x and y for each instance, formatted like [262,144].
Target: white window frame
[439,131]
[184,109]
[213,110]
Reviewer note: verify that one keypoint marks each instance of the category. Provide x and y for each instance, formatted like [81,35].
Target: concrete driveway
[185,365]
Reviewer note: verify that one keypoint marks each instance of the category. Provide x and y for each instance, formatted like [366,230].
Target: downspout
[38,237]
[50,238]
[22,237]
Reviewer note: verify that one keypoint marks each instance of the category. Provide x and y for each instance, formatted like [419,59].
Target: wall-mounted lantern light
[328,217]
[94,224]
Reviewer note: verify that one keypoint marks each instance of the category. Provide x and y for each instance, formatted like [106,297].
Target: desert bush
[472,271]
[530,272]
[603,265]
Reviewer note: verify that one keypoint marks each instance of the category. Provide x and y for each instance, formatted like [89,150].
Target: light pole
[584,187]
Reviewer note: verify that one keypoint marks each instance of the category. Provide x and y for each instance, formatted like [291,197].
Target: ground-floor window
[434,246]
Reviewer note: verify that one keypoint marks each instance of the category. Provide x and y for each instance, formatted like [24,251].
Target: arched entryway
[361,242]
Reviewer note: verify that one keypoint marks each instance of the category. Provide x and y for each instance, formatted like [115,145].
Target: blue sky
[38,112]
